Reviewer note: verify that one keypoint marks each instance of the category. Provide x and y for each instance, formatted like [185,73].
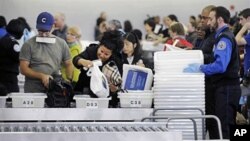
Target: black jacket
[206,46]
[231,76]
[9,58]
[84,81]
[9,64]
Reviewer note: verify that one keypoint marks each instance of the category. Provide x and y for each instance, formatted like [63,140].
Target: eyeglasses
[204,17]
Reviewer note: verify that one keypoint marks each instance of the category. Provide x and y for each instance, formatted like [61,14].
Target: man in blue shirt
[244,17]
[223,71]
[243,39]
[3,24]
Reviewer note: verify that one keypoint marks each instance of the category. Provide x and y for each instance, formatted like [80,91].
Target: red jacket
[183,43]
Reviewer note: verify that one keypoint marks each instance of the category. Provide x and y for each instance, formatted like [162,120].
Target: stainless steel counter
[110,136]
[64,114]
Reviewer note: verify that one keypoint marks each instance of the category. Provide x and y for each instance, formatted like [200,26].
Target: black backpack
[59,93]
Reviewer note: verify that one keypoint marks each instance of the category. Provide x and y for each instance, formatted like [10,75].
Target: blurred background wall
[84,13]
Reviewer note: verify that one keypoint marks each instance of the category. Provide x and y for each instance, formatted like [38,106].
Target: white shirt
[130,59]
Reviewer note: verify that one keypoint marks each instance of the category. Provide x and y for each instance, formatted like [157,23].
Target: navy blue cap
[44,21]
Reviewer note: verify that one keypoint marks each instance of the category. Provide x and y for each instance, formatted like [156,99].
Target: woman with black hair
[9,55]
[128,26]
[131,51]
[149,26]
[107,50]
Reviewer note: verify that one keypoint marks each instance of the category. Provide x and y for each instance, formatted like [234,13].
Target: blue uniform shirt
[3,32]
[247,53]
[222,54]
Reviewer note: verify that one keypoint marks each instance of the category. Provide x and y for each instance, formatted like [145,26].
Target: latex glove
[192,68]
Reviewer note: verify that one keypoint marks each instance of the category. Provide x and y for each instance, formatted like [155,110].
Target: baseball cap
[44,21]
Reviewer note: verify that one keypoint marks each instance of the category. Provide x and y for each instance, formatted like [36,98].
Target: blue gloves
[192,68]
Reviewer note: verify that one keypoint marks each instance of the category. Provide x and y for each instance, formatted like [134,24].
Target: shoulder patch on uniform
[221,45]
[17,48]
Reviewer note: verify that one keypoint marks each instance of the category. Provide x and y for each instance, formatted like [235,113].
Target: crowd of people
[56,49]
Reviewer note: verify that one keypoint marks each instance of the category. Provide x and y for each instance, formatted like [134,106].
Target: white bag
[98,82]
[172,48]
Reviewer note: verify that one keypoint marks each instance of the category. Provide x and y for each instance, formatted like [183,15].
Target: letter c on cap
[43,20]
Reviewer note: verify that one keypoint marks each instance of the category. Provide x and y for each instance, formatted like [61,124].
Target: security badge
[17,48]
[221,45]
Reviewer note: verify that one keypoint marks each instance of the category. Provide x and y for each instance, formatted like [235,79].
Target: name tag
[46,40]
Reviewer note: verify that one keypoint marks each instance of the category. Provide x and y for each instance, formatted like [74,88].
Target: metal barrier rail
[198,109]
[192,119]
[81,127]
[194,124]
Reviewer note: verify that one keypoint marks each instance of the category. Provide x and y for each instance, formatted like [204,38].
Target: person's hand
[158,40]
[112,87]
[45,80]
[140,63]
[87,63]
[192,68]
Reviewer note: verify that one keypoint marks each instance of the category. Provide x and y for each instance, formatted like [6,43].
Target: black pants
[9,82]
[210,107]
[223,102]
[8,87]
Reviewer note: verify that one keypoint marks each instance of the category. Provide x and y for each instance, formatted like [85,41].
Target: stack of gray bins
[175,89]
